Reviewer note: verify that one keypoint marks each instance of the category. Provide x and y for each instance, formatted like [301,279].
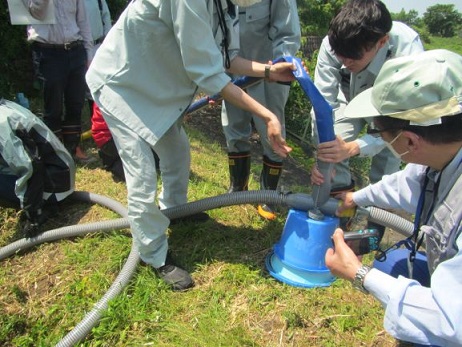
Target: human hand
[304,67]
[281,72]
[347,202]
[341,261]
[278,143]
[317,178]
[337,150]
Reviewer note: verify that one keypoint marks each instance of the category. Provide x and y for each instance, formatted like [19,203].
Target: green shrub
[16,72]
[423,33]
[15,60]
[297,111]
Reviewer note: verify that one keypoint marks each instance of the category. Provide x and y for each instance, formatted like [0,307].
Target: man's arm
[106,17]
[84,27]
[413,313]
[236,96]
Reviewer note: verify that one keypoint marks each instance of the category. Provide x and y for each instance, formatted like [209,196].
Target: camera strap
[413,242]
[381,255]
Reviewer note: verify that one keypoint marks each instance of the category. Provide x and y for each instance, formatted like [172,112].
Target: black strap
[418,215]
[224,30]
[100,5]
[33,196]
[414,241]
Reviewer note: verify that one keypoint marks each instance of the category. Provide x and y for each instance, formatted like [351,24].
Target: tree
[411,18]
[315,15]
[442,20]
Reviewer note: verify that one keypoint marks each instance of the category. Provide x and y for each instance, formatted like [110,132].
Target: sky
[419,5]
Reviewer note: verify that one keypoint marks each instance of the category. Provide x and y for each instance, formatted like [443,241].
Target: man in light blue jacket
[269,30]
[361,38]
[144,76]
[100,22]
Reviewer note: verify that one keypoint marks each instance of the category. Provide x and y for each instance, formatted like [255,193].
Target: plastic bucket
[298,258]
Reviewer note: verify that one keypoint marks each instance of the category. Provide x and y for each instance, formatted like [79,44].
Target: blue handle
[325,124]
[322,110]
[243,82]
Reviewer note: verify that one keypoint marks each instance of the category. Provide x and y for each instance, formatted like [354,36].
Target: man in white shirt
[361,38]
[60,54]
[416,107]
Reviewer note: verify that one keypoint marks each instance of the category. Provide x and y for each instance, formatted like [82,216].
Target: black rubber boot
[239,171]
[269,179]
[345,222]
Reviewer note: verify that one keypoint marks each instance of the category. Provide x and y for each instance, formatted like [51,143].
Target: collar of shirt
[382,55]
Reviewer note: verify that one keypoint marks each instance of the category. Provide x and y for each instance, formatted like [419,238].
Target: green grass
[451,43]
[46,291]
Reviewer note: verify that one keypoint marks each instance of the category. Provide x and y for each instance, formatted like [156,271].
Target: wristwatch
[267,70]
[358,281]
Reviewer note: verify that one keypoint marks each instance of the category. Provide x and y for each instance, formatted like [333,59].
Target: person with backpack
[36,170]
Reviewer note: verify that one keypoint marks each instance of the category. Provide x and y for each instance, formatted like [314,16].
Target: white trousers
[148,224]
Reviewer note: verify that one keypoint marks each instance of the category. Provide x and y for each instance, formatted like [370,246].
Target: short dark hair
[358,26]
[450,129]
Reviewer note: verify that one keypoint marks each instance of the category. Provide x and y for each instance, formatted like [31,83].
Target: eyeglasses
[377,132]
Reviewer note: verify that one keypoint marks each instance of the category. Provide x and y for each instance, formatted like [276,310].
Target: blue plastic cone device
[298,258]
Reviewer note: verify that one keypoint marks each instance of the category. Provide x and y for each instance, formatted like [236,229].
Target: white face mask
[392,150]
[245,3]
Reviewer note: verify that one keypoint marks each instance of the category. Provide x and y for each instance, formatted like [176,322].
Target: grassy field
[451,43]
[46,291]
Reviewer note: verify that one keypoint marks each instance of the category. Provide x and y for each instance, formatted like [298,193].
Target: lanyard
[224,32]
[413,242]
[418,216]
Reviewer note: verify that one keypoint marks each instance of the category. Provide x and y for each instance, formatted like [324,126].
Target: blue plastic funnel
[298,258]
